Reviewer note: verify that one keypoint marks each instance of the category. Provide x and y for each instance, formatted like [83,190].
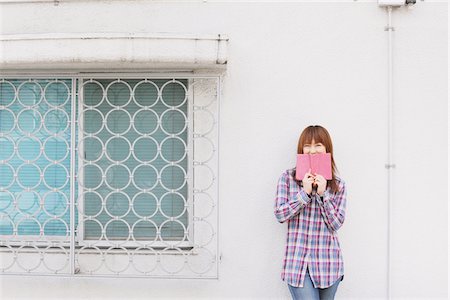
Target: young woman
[313,265]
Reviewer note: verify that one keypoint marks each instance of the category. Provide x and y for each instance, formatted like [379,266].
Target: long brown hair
[320,135]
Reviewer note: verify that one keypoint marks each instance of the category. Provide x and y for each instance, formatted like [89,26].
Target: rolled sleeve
[287,206]
[333,206]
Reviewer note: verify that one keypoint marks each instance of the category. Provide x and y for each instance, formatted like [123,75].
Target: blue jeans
[309,292]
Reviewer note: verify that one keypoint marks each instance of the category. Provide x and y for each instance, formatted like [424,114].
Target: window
[34,159]
[109,175]
[133,160]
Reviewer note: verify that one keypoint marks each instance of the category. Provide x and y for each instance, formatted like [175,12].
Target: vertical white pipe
[389,164]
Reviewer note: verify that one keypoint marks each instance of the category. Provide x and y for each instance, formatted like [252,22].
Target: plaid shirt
[312,238]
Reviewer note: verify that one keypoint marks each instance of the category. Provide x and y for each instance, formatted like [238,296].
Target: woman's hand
[321,183]
[307,181]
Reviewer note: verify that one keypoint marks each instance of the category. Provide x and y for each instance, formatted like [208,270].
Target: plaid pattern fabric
[312,238]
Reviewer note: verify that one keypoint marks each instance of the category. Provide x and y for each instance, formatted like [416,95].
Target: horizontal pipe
[210,1]
[111,35]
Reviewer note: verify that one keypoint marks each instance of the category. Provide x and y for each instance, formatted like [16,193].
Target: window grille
[108,176]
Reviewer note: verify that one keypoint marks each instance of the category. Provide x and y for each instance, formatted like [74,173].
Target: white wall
[291,65]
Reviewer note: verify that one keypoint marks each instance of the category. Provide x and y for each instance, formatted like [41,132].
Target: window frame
[81,241]
[16,240]
[206,249]
[75,238]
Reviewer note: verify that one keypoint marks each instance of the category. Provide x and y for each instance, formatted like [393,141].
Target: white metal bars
[145,192]
[35,124]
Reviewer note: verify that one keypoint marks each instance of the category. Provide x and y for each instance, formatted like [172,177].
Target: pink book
[319,163]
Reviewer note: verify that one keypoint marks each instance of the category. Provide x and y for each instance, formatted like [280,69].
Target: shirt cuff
[325,200]
[303,197]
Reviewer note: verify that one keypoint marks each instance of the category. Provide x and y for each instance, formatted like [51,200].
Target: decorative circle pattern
[35,166]
[145,164]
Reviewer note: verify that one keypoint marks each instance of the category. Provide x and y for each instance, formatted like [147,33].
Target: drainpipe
[389,164]
[389,4]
